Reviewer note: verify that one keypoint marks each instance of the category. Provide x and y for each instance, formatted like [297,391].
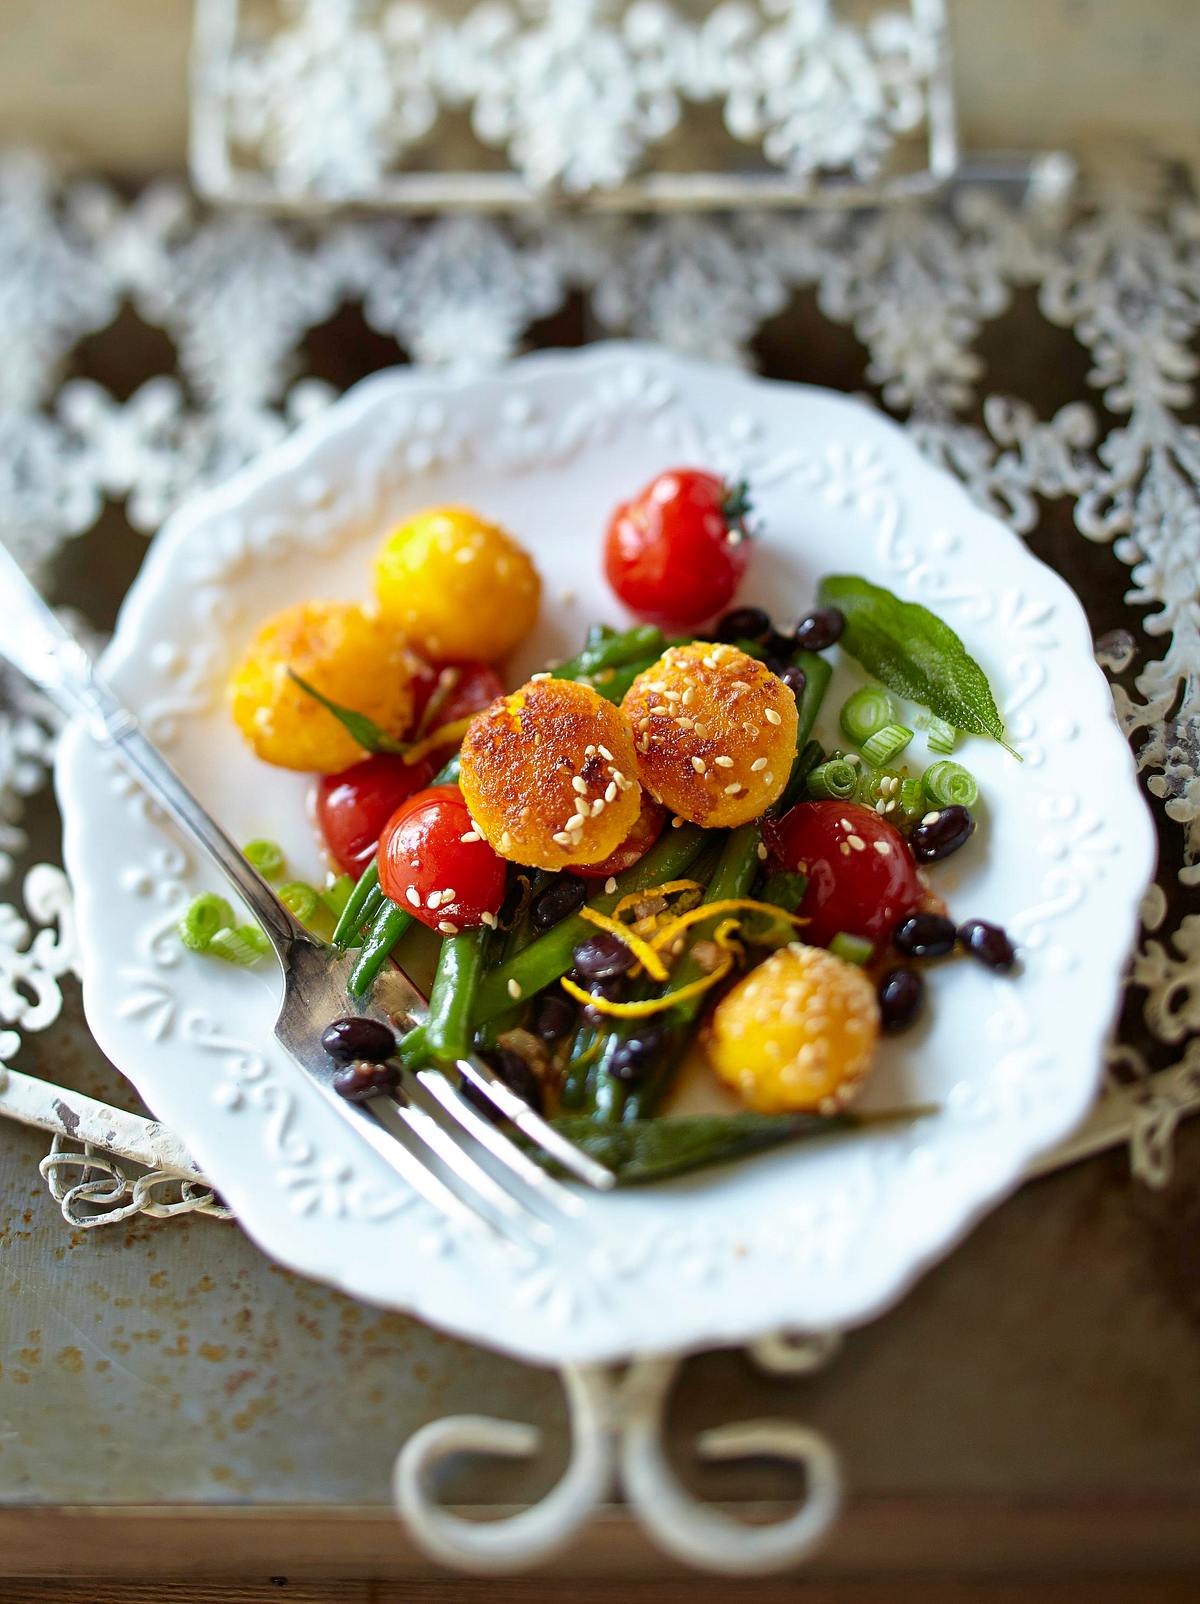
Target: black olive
[940,833]
[794,676]
[991,945]
[743,623]
[353,1037]
[362,1079]
[564,895]
[901,992]
[602,956]
[632,1060]
[516,1074]
[777,666]
[610,986]
[925,935]
[820,629]
[553,1016]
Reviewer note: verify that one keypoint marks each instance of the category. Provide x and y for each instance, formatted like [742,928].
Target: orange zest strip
[642,950]
[707,910]
[445,735]
[649,1005]
[667,889]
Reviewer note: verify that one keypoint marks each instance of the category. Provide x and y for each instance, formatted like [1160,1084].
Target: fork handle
[34,641]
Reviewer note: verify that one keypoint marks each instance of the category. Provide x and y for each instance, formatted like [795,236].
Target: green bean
[412,1048]
[614,682]
[585,1050]
[643,640]
[551,955]
[390,924]
[640,1150]
[452,999]
[733,877]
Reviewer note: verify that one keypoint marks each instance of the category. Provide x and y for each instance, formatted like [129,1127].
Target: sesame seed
[709,661]
[676,822]
[598,806]
[661,710]
[672,696]
[890,808]
[739,684]
[447,927]
[575,822]
[562,838]
[881,806]
[505,841]
[758,765]
[762,852]
[589,751]
[412,897]
[771,716]
[699,729]
[579,786]
[700,766]
[931,818]
[433,899]
[643,724]
[689,696]
[768,777]
[857,842]
[884,848]
[610,885]
[732,790]
[605,753]
[684,723]
[514,989]
[723,762]
[610,791]
[470,835]
[489,919]
[535,679]
[620,779]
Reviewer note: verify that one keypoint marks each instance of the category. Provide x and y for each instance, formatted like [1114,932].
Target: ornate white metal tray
[815,1237]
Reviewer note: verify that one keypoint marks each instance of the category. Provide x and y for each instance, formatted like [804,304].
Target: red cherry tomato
[422,854]
[861,874]
[475,686]
[676,553]
[647,828]
[353,806]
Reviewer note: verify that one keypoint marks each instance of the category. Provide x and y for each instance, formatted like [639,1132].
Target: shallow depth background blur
[103,82]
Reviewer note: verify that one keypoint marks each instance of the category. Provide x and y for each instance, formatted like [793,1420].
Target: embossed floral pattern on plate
[819,1236]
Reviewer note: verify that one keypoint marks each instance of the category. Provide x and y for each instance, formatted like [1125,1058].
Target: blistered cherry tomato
[676,553]
[647,828]
[426,866]
[861,874]
[353,806]
[475,686]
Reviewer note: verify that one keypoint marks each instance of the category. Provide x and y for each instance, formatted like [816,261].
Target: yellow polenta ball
[353,657]
[457,586]
[548,773]
[797,1034]
[715,733]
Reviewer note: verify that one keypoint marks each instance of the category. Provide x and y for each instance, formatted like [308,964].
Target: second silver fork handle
[34,641]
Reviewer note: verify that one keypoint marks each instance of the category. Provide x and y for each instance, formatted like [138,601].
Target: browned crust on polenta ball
[550,775]
[715,733]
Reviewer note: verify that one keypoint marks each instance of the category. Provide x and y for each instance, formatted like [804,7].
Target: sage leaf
[915,654]
[364,730]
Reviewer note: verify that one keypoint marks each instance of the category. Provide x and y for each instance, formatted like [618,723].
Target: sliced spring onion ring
[870,708]
[886,743]
[947,784]
[265,856]
[206,916]
[648,1005]
[645,954]
[854,949]
[941,736]
[835,778]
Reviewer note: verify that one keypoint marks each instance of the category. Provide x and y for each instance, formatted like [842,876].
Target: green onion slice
[835,778]
[265,856]
[942,737]
[869,709]
[300,899]
[243,946]
[886,743]
[854,949]
[947,784]
[205,918]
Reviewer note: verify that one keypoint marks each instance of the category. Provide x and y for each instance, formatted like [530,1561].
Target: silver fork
[405,1130]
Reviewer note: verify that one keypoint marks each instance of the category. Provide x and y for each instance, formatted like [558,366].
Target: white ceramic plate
[815,1236]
